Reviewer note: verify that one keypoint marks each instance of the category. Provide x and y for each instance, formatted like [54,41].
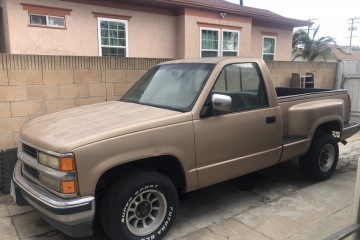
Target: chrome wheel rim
[327,158]
[146,212]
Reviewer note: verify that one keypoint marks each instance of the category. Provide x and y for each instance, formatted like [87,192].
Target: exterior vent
[30,150]
[31,171]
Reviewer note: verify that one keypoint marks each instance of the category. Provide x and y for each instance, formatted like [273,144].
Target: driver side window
[244,84]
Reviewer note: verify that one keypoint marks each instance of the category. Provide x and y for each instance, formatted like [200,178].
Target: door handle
[271,120]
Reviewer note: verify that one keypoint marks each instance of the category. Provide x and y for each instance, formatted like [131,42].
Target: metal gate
[348,77]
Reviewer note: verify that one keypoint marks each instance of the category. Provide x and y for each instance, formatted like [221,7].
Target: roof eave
[244,12]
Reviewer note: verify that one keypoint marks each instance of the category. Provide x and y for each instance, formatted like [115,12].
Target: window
[214,44]
[244,84]
[170,86]
[269,44]
[46,20]
[209,43]
[230,41]
[44,16]
[113,37]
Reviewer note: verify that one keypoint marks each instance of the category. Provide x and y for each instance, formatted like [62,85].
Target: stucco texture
[283,48]
[150,35]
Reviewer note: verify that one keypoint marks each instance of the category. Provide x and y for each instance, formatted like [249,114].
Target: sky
[332,17]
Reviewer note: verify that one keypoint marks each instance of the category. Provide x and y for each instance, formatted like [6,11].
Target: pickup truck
[185,125]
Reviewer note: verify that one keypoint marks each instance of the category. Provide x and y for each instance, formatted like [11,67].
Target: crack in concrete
[347,165]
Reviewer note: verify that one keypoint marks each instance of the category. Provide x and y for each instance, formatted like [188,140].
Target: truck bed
[300,107]
[287,92]
[308,94]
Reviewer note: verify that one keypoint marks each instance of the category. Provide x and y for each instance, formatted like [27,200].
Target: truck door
[230,144]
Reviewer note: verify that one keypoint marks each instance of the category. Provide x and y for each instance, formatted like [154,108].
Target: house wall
[283,48]
[195,19]
[181,37]
[33,85]
[150,34]
[4,6]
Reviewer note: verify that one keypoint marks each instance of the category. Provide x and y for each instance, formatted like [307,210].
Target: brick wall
[32,86]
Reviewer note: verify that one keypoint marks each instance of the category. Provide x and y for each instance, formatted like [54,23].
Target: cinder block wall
[325,72]
[31,86]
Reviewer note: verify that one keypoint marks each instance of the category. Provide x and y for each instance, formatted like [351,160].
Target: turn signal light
[67,164]
[68,187]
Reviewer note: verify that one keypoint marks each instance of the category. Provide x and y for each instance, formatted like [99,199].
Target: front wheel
[320,161]
[140,206]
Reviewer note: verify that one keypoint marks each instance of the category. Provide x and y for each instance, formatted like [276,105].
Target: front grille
[29,150]
[31,171]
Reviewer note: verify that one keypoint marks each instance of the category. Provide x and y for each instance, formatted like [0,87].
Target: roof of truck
[210,60]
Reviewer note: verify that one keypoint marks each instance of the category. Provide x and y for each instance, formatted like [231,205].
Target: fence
[33,85]
[348,76]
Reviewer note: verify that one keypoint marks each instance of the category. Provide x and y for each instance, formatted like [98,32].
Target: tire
[320,161]
[140,206]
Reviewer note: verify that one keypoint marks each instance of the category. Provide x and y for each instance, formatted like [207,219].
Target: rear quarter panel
[302,114]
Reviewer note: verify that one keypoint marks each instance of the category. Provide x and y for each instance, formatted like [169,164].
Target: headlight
[50,182]
[66,164]
[48,160]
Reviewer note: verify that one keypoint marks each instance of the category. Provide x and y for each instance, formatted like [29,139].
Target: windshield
[171,86]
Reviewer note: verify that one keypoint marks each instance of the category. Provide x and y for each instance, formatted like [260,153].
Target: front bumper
[73,217]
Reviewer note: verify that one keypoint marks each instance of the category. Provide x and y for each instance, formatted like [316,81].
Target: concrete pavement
[276,203]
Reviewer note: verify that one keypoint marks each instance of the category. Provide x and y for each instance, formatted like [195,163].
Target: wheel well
[329,127]
[167,165]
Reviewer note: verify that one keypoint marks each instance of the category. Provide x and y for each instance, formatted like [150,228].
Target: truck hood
[63,131]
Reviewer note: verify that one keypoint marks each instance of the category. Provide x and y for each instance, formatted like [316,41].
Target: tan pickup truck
[184,125]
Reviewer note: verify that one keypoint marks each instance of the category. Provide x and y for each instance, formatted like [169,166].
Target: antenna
[308,30]
[351,29]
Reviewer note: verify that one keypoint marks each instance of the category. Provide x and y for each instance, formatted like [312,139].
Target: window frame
[222,41]
[47,16]
[261,80]
[219,38]
[263,42]
[125,22]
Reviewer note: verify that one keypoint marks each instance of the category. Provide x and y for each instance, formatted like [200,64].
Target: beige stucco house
[144,28]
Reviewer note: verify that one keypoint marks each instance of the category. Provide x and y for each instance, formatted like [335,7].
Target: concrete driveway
[276,203]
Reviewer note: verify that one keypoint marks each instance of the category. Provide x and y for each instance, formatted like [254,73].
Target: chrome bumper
[74,217]
[349,129]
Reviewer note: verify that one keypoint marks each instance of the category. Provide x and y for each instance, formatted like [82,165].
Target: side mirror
[221,103]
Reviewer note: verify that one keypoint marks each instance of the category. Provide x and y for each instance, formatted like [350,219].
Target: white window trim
[47,20]
[264,36]
[126,31]
[219,40]
[222,41]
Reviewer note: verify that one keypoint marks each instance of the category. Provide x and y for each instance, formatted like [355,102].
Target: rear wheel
[140,206]
[320,161]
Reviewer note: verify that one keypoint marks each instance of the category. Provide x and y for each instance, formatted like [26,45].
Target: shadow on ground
[213,204]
